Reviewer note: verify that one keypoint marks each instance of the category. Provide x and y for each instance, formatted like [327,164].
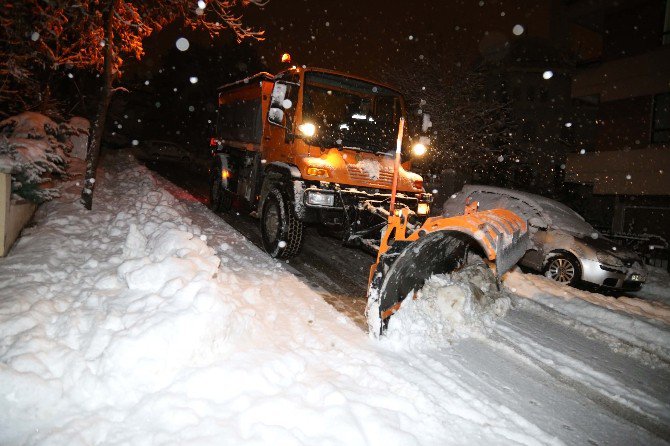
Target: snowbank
[449,307]
[657,286]
[640,323]
[129,324]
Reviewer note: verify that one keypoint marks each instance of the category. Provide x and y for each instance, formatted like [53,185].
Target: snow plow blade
[441,245]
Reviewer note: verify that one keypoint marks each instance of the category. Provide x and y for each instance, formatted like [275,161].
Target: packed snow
[149,320]
[123,326]
[448,308]
[641,324]
[371,167]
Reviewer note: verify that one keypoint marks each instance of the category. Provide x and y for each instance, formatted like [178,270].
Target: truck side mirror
[276,112]
[276,116]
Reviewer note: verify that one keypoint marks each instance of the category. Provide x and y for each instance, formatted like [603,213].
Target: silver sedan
[565,248]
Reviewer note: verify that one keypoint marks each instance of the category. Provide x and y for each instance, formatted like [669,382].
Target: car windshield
[351,113]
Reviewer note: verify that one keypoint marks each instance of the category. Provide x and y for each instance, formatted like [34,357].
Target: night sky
[358,36]
[368,38]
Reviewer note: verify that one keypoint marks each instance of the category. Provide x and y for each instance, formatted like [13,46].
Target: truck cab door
[278,136]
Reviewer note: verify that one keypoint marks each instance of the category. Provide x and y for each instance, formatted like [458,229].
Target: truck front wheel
[280,228]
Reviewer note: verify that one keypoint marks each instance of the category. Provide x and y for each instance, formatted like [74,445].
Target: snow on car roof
[555,214]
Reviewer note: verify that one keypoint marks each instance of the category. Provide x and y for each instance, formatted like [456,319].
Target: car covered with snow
[163,151]
[565,248]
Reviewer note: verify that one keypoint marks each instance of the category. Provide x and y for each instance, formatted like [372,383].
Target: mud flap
[404,268]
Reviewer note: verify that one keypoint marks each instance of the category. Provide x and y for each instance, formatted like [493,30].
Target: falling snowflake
[182,44]
[193,79]
[582,152]
[158,104]
[628,177]
[35,36]
[70,75]
[434,191]
[286,103]
[518,30]
[201,4]
[501,158]
[568,124]
[146,82]
[135,142]
[547,74]
[191,108]
[281,244]
[411,37]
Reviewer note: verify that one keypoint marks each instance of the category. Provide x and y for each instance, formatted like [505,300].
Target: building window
[660,125]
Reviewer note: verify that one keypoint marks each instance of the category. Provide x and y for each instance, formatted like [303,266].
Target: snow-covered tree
[36,150]
[101,34]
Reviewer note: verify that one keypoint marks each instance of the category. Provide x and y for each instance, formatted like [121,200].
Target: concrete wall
[642,75]
[14,215]
[631,172]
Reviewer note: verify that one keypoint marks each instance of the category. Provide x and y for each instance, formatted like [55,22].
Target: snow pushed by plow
[448,308]
[130,324]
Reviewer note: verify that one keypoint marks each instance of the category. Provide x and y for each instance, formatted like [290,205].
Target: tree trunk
[98,126]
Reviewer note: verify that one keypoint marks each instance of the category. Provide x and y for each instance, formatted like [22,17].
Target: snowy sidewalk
[130,324]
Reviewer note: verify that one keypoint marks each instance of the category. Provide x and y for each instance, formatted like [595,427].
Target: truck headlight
[608,259]
[423,209]
[419,149]
[318,198]
[307,129]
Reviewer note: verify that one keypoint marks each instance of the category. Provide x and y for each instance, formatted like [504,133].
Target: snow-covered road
[150,320]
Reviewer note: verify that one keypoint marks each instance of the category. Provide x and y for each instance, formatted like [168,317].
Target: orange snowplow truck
[311,146]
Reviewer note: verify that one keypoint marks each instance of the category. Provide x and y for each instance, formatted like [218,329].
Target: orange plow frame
[440,245]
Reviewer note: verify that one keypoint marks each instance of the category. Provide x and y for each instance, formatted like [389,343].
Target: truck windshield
[351,113]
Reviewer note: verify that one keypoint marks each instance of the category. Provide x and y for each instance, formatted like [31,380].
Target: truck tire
[281,230]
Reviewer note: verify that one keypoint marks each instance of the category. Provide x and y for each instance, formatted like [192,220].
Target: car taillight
[213,142]
[418,184]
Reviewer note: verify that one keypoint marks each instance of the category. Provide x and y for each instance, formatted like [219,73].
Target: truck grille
[357,174]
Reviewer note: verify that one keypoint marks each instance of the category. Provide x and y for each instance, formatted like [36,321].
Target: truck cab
[311,146]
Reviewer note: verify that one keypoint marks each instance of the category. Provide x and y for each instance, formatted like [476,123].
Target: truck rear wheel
[280,228]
